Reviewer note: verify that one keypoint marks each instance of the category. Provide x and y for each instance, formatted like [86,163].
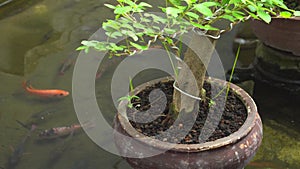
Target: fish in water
[57,152]
[19,150]
[57,132]
[39,117]
[67,64]
[110,63]
[48,93]
[43,115]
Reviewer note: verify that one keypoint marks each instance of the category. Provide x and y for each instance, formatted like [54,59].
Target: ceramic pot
[231,152]
[281,33]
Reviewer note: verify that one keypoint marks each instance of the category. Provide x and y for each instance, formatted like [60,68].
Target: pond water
[37,40]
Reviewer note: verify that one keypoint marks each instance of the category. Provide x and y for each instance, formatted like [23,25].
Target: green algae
[279,143]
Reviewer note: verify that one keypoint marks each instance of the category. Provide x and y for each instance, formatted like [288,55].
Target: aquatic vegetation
[279,145]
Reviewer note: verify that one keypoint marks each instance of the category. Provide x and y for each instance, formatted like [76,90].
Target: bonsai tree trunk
[191,76]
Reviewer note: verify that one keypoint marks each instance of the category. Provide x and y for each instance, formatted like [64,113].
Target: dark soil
[233,117]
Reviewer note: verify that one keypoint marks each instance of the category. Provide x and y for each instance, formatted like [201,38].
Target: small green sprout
[129,97]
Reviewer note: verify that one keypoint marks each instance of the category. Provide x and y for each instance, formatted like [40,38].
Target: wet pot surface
[281,33]
[232,151]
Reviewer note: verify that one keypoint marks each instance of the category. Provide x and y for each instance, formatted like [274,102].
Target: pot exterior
[281,33]
[234,155]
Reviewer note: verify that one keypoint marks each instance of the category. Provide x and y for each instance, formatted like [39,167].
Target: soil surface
[233,116]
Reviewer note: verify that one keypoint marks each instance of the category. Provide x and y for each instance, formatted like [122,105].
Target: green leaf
[254,16]
[264,16]
[297,13]
[193,15]
[203,9]
[252,8]
[169,41]
[110,6]
[175,2]
[129,2]
[81,48]
[139,47]
[135,97]
[229,17]
[124,98]
[145,20]
[122,9]
[116,47]
[210,4]
[169,31]
[126,25]
[197,25]
[173,11]
[139,26]
[285,14]
[145,4]
[225,2]
[238,15]
[208,27]
[117,34]
[132,35]
[280,3]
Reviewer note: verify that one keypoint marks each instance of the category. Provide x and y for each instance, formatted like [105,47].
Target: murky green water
[35,42]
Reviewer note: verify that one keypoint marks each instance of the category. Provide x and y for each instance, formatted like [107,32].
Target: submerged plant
[142,29]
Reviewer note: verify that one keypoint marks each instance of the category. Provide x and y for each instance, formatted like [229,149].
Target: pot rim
[297,18]
[232,138]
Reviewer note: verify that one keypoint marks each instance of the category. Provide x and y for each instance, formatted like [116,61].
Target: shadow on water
[37,43]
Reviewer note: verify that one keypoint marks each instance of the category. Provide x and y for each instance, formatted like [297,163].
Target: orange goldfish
[44,92]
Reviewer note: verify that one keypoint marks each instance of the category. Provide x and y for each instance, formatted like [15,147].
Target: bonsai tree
[142,29]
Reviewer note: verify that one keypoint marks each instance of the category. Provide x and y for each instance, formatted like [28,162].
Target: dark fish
[44,115]
[19,150]
[58,152]
[109,63]
[67,64]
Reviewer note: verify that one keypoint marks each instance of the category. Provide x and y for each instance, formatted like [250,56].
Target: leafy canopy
[141,28]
